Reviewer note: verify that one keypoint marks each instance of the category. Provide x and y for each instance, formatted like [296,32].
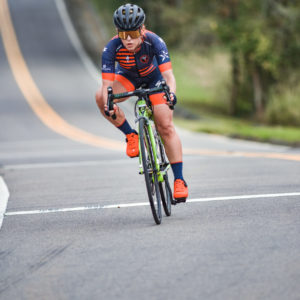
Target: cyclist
[142,58]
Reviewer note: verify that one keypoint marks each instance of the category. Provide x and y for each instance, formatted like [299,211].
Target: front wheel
[150,171]
[164,187]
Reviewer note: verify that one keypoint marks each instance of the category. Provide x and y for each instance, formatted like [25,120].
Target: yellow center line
[33,95]
[273,155]
[55,122]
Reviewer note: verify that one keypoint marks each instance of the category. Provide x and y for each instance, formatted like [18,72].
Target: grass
[202,90]
[242,129]
[202,79]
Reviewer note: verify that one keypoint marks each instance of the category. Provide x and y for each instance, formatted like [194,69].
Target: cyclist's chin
[130,47]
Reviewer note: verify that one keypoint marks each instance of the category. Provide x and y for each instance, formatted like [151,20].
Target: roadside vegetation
[236,63]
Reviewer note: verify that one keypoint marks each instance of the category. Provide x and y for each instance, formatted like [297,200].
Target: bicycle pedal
[180,200]
[173,202]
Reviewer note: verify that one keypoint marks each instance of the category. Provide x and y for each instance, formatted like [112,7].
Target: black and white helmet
[129,17]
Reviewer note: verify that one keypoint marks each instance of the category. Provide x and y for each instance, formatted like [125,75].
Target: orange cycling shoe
[132,140]
[180,190]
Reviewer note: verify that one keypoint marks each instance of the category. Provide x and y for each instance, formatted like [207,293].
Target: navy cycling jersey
[152,54]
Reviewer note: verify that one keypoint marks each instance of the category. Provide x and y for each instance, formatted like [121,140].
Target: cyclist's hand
[111,112]
[173,98]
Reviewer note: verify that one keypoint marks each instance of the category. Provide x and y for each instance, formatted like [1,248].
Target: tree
[263,38]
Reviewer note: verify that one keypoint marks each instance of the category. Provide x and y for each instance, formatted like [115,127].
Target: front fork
[160,173]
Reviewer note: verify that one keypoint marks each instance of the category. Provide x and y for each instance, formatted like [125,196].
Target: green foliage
[284,106]
[234,127]
[202,80]
[262,37]
[265,36]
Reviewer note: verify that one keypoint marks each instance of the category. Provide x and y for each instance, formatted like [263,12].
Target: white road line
[82,208]
[71,32]
[70,209]
[241,197]
[4,195]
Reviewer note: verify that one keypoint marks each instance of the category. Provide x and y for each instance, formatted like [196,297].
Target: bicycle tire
[166,195]
[164,187]
[149,171]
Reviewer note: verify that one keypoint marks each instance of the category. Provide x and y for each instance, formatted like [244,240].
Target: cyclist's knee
[166,130]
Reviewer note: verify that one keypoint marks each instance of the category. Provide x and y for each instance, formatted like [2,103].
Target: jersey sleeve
[108,61]
[161,54]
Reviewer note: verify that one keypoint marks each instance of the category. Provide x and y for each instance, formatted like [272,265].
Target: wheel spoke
[149,171]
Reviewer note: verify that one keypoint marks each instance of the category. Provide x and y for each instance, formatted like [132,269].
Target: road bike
[153,162]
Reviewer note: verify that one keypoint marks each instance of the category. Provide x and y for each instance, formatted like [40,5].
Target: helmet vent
[129,17]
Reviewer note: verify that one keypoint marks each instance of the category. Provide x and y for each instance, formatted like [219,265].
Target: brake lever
[110,103]
[167,92]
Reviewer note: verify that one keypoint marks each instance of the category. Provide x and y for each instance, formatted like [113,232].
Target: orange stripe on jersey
[125,82]
[126,67]
[108,76]
[124,51]
[124,54]
[144,69]
[125,60]
[165,67]
[148,71]
[125,63]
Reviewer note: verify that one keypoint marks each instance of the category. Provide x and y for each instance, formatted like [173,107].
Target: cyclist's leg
[163,118]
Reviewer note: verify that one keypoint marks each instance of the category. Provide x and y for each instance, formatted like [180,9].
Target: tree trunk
[258,92]
[235,73]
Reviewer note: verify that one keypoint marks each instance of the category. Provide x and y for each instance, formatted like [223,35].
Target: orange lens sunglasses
[133,34]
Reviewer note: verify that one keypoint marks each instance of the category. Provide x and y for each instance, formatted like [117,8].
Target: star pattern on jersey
[164,55]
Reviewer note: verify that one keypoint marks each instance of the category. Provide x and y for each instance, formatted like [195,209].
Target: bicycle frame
[152,157]
[144,111]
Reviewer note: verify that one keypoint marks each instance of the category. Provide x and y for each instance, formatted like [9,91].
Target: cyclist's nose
[128,38]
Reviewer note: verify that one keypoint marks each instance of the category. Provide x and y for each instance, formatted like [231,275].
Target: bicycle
[153,162]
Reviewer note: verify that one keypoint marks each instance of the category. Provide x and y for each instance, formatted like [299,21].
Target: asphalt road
[238,237]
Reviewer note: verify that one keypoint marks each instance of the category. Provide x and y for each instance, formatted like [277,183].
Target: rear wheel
[166,195]
[150,171]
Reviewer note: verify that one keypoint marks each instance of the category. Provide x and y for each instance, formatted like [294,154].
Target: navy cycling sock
[177,170]
[126,128]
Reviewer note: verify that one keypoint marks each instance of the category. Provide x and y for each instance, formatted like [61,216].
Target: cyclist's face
[132,44]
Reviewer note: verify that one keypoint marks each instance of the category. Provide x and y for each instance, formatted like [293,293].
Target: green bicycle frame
[145,112]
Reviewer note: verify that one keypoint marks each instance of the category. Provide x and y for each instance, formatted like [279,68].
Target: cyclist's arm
[108,67]
[164,62]
[170,80]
